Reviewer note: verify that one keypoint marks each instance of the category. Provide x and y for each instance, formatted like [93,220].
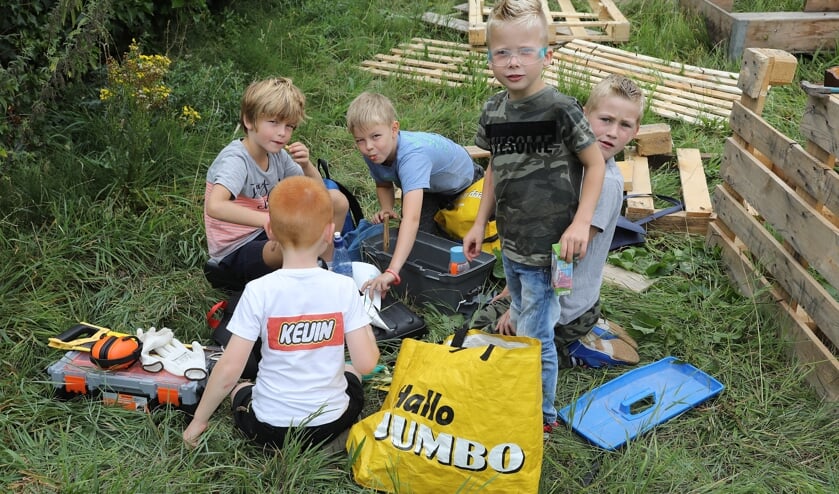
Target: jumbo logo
[459,452]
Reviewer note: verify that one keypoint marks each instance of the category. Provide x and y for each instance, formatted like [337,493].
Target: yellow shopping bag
[456,419]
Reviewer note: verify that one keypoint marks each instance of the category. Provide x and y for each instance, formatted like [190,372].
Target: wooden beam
[654,139]
[694,184]
[820,122]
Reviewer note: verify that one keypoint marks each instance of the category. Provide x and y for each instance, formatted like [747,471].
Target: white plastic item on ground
[361,273]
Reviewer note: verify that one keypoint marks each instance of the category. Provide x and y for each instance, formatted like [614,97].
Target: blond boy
[246,170]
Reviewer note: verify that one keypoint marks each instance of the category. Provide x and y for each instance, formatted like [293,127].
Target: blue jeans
[534,309]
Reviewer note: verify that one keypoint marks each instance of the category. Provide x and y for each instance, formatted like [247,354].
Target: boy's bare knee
[272,254]
[339,201]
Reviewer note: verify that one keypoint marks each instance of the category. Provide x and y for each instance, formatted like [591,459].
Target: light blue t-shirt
[426,161]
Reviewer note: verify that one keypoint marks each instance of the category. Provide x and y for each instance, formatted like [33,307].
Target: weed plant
[83,241]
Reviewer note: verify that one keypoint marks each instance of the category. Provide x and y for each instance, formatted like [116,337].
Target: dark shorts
[246,262]
[269,435]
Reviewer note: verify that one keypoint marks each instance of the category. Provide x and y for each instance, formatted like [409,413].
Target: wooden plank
[820,122]
[446,21]
[777,261]
[618,29]
[822,365]
[796,32]
[681,223]
[568,7]
[477,153]
[800,168]
[477,27]
[809,233]
[614,275]
[638,207]
[626,170]
[694,184]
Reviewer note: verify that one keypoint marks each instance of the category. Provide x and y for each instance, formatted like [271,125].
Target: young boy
[614,110]
[303,315]
[430,169]
[540,143]
[245,171]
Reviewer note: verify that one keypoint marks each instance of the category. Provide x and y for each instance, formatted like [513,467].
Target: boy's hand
[383,215]
[505,325]
[299,153]
[472,241]
[574,242]
[193,432]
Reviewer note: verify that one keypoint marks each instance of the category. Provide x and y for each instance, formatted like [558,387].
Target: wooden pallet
[602,22]
[778,220]
[682,92]
[798,32]
[698,212]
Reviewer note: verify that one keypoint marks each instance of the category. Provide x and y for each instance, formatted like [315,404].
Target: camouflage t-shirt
[534,143]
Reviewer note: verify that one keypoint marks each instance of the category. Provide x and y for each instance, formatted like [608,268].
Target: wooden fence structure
[778,215]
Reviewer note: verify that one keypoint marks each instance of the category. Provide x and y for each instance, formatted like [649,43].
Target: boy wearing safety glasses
[541,145]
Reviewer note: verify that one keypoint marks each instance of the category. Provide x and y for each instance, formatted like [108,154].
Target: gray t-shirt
[588,273]
[235,169]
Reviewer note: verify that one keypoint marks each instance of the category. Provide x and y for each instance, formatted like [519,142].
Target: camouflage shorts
[487,317]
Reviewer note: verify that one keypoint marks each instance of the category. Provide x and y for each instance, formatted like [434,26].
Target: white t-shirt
[302,316]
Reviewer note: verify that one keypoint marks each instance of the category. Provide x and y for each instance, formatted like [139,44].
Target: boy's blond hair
[276,98]
[527,14]
[299,208]
[369,109]
[620,86]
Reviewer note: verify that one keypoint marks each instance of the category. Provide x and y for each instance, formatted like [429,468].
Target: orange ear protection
[112,352]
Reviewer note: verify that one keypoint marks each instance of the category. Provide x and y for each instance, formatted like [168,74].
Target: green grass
[82,240]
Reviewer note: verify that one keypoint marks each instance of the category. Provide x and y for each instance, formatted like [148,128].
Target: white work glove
[152,340]
[180,361]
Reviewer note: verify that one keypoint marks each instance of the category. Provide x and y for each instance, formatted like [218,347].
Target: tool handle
[78,331]
[646,398]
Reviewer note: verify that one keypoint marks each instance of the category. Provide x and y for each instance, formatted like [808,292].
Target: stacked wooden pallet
[778,218]
[602,21]
[682,92]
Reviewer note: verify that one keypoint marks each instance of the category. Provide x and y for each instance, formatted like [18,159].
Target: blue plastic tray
[616,412]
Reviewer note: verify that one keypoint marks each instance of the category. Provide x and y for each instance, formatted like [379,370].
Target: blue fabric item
[348,222]
[354,238]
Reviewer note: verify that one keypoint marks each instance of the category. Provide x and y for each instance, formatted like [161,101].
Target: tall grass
[79,242]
